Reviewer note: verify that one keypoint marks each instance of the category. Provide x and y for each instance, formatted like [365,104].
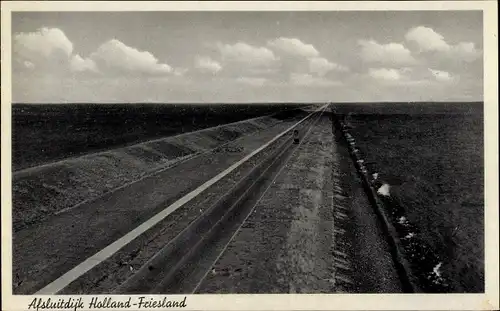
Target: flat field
[432,156]
[43,133]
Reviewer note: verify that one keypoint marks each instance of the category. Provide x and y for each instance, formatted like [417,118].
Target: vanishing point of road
[272,216]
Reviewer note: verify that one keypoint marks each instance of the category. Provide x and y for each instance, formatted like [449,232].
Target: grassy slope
[42,191]
[43,133]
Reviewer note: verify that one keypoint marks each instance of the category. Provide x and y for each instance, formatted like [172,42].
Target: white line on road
[252,210]
[154,172]
[73,274]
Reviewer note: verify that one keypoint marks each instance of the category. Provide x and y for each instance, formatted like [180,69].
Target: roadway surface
[272,217]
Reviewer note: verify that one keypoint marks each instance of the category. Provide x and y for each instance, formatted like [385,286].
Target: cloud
[442,76]
[405,76]
[253,81]
[46,47]
[28,64]
[388,74]
[391,53]
[45,42]
[246,54]
[466,51]
[322,66]
[304,79]
[293,46]
[180,71]
[79,64]
[262,71]
[428,40]
[49,50]
[276,62]
[115,57]
[402,77]
[206,64]
[282,68]
[302,60]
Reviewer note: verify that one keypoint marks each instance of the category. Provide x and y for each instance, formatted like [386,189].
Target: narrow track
[185,261]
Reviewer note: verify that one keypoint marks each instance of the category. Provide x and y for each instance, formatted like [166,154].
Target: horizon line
[248,103]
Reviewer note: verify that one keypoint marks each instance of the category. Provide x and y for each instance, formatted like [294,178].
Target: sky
[322,56]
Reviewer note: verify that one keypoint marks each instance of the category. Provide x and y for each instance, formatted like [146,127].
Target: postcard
[250,155]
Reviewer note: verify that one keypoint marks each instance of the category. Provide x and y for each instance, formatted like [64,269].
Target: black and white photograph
[156,155]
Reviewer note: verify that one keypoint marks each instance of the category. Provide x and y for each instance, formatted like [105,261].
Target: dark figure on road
[296,136]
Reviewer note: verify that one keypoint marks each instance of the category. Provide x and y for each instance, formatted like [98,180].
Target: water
[432,156]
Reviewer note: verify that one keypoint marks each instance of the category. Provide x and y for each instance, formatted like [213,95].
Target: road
[272,217]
